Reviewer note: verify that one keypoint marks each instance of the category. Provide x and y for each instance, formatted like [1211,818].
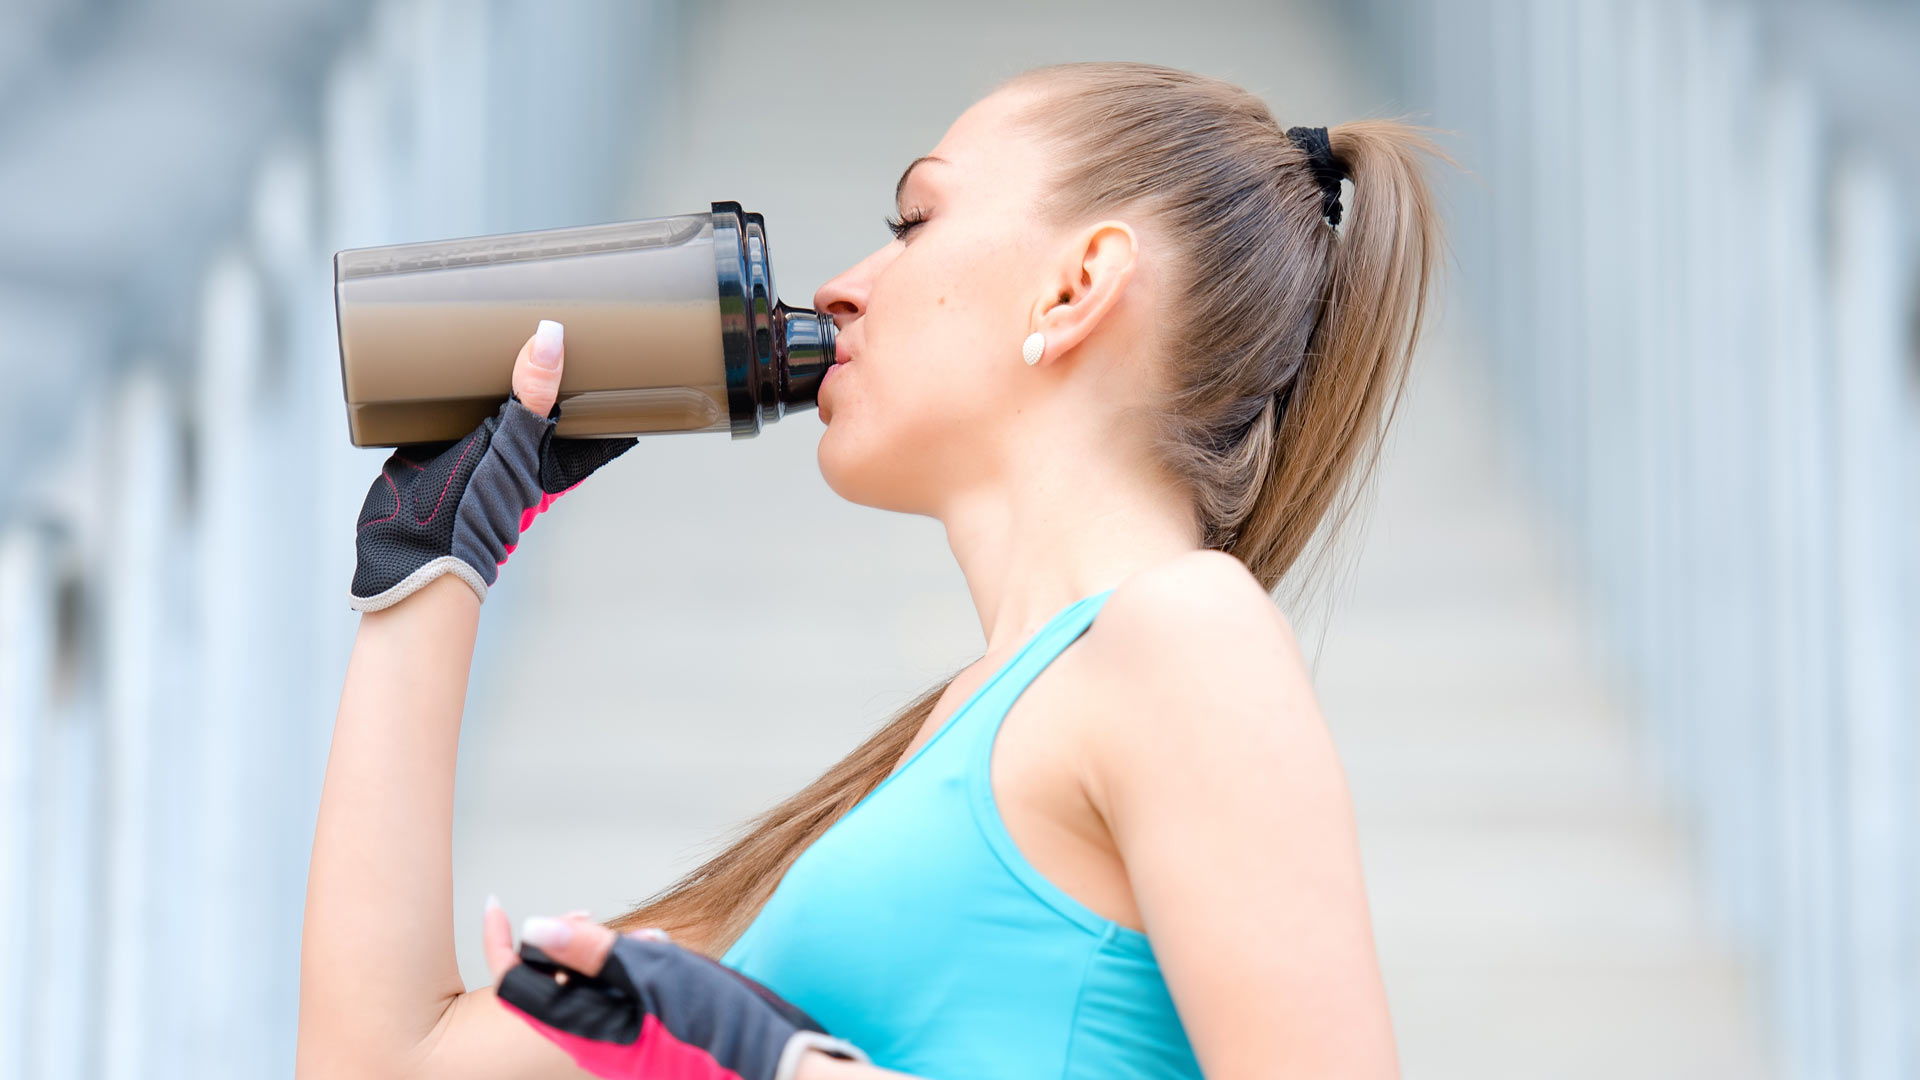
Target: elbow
[332,1046]
[320,1058]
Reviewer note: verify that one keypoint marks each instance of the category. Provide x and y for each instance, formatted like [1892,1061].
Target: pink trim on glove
[655,1055]
[435,512]
[534,511]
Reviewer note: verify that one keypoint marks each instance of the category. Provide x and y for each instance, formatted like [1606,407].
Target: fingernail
[546,344]
[578,913]
[493,902]
[545,932]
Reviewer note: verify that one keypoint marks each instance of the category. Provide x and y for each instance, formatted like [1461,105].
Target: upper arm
[1228,805]
[477,1039]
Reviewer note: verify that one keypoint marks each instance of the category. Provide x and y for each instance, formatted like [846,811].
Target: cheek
[920,309]
[940,319]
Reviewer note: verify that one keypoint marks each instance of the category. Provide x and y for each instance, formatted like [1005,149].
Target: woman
[1213,341]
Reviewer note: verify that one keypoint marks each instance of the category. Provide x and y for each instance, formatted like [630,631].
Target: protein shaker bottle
[672,326]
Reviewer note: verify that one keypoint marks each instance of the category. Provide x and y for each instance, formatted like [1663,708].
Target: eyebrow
[901,187]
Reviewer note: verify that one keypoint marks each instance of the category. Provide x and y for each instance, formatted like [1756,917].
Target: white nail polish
[547,341]
[546,933]
[493,902]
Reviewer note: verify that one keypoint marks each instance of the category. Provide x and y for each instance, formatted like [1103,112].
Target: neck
[1073,520]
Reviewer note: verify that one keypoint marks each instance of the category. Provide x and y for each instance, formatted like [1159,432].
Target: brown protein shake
[671,327]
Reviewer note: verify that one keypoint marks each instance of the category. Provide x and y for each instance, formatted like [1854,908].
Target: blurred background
[1624,671]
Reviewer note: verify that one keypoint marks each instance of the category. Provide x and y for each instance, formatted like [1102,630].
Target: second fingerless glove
[659,1010]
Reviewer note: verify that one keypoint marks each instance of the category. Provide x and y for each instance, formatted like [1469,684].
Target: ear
[1096,266]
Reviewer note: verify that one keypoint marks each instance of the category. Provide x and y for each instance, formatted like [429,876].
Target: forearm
[377,951]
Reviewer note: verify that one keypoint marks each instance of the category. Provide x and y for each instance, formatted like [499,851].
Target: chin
[842,465]
[860,471]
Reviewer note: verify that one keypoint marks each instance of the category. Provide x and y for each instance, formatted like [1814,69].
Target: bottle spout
[805,339]
[776,356]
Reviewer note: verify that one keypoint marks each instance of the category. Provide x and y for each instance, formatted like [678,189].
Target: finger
[536,371]
[580,944]
[496,936]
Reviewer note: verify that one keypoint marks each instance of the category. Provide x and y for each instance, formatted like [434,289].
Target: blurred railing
[1690,267]
[173,616]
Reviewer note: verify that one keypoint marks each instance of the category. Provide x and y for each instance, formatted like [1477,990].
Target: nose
[844,298]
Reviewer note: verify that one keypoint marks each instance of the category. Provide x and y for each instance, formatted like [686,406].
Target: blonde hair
[1284,357]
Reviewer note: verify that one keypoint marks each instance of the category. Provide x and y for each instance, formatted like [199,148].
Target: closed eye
[901,226]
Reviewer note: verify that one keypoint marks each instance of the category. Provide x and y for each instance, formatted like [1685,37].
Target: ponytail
[1368,320]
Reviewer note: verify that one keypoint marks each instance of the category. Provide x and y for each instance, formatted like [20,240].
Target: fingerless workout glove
[659,1010]
[459,507]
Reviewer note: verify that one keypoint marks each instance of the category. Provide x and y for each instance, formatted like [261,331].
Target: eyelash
[901,226]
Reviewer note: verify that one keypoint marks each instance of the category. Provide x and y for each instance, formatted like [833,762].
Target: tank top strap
[983,710]
[977,767]
[1065,628]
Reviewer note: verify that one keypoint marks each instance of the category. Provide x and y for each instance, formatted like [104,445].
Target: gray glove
[459,507]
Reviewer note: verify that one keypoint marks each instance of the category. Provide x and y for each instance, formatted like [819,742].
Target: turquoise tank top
[915,928]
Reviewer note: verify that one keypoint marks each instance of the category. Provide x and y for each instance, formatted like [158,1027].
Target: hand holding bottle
[459,507]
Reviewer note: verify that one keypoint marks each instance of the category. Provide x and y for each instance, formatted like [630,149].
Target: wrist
[816,1055]
[820,1065]
[449,567]
[443,592]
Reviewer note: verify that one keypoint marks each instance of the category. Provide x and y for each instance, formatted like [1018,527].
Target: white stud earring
[1031,348]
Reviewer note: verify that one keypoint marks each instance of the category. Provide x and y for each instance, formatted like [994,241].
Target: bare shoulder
[1206,758]
[1205,605]
[1192,661]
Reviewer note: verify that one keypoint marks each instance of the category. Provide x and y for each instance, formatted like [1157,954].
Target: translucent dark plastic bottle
[672,326]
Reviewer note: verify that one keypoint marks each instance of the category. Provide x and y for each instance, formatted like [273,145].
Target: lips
[820,395]
[841,355]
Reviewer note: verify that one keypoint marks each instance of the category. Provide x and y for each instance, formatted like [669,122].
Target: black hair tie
[1328,168]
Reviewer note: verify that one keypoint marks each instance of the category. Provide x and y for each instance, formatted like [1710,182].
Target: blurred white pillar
[236,533]
[1510,194]
[453,94]
[1791,369]
[360,174]
[1872,291]
[1649,363]
[26,670]
[137,622]
[1553,404]
[1702,615]
[296,405]
[1608,430]
[68,900]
